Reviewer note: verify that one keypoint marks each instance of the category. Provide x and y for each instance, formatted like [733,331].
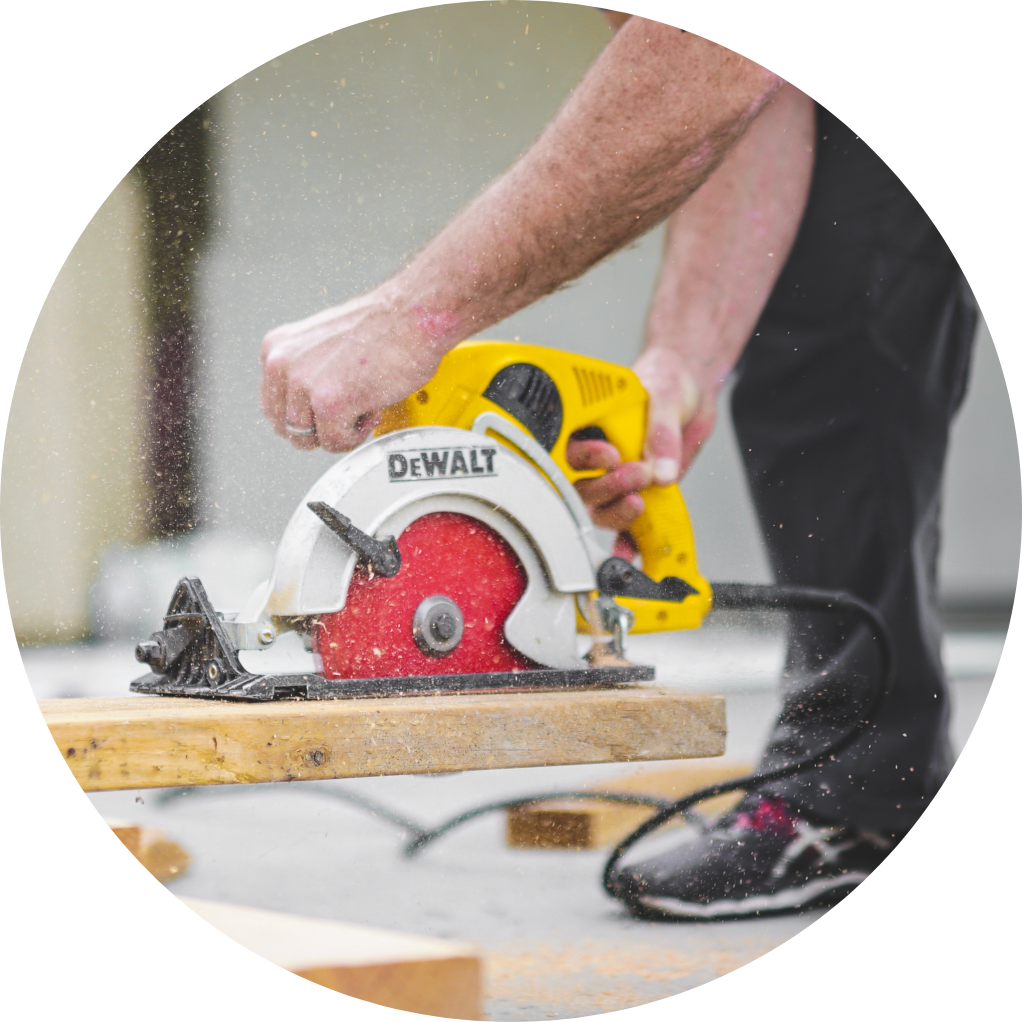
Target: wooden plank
[420,974]
[579,824]
[156,741]
[164,858]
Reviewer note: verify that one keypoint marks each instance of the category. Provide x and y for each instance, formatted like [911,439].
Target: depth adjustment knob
[437,626]
[152,651]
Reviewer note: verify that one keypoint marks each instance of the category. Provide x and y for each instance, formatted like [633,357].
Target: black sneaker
[759,859]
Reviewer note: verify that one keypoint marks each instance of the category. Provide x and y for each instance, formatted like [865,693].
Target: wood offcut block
[578,823]
[420,974]
[159,741]
[164,858]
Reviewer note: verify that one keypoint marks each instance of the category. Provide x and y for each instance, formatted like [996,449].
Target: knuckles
[275,360]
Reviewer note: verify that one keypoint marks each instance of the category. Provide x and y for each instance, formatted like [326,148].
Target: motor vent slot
[593,386]
[531,396]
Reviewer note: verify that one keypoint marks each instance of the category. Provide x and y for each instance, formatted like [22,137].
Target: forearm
[644,129]
[724,250]
[647,125]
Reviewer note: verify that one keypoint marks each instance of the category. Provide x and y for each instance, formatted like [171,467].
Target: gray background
[412,117]
[330,166]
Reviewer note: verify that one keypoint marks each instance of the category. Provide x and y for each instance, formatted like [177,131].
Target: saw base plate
[267,687]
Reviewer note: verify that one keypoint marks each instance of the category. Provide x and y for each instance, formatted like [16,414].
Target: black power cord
[370,805]
[737,596]
[726,596]
[428,836]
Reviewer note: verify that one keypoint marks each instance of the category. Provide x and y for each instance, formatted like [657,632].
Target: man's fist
[326,379]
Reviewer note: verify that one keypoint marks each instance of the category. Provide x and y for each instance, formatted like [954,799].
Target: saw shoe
[762,858]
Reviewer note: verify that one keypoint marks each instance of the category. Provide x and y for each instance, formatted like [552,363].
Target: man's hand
[679,420]
[334,372]
[682,411]
[612,499]
[725,248]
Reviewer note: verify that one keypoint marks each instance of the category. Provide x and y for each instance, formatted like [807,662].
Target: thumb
[696,431]
[666,416]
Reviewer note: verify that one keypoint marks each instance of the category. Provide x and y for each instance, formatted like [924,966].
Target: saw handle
[554,393]
[662,533]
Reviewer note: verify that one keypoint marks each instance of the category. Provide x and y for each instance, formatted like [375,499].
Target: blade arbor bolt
[437,626]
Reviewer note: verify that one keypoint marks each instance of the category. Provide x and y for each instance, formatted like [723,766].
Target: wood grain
[398,970]
[157,742]
[577,823]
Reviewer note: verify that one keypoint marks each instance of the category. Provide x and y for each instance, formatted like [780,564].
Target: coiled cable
[726,596]
[739,596]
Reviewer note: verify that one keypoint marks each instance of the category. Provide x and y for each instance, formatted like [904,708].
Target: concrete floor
[554,945]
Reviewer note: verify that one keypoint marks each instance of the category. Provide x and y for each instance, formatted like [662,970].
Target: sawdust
[592,977]
[602,655]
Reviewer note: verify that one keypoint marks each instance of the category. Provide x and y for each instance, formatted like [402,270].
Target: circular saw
[451,552]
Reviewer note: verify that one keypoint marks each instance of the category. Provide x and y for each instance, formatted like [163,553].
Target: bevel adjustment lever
[617,577]
[383,556]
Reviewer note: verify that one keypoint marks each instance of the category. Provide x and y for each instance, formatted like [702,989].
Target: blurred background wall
[72,479]
[136,450]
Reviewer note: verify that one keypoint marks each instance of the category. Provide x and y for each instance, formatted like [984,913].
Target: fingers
[283,400]
[273,391]
[612,499]
[624,546]
[620,514]
[292,407]
[605,489]
[696,432]
[337,436]
[675,399]
[298,419]
[305,386]
[592,454]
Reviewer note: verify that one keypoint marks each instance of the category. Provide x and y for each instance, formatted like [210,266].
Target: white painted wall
[71,466]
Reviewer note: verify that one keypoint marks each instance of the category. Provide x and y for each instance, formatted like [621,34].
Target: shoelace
[821,839]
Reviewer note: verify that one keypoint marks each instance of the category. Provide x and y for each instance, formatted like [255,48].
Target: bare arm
[725,248]
[644,129]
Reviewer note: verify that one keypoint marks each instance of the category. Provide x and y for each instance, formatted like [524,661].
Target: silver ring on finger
[293,430]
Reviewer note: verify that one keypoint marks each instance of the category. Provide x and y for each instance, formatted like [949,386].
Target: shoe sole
[825,892]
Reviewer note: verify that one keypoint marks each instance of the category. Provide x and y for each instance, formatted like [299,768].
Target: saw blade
[453,567]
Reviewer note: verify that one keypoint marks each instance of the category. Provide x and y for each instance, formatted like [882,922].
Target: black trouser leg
[842,408]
